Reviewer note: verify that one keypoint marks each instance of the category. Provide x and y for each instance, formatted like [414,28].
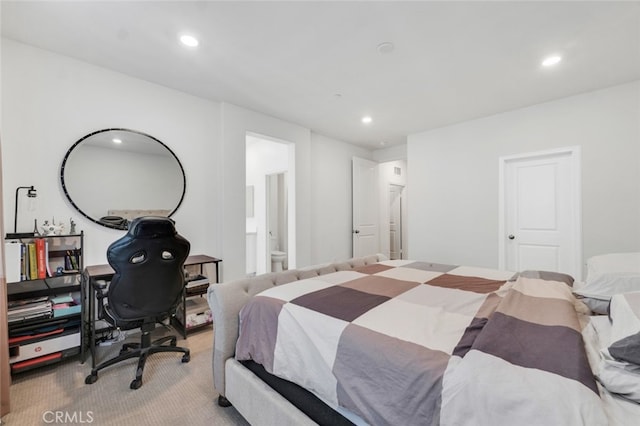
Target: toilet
[277,257]
[277,260]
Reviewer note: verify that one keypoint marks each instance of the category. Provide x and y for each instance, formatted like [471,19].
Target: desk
[94,273]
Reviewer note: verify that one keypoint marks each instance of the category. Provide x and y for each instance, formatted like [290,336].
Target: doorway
[379,200]
[540,212]
[277,229]
[270,185]
[396,222]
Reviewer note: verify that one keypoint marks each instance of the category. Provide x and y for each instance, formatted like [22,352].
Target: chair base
[142,351]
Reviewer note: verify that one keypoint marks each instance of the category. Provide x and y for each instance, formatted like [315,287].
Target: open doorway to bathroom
[393,209]
[396,222]
[270,201]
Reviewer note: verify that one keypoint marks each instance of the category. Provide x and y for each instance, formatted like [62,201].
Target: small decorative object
[51,228]
[59,270]
[72,226]
[35,227]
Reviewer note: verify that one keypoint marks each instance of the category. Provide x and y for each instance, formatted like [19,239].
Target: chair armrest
[100,287]
[100,284]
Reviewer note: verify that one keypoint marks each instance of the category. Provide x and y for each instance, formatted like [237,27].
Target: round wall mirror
[113,176]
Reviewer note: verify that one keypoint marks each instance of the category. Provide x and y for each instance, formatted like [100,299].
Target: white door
[395,222]
[365,207]
[540,228]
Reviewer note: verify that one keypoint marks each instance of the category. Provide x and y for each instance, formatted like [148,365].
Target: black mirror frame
[107,225]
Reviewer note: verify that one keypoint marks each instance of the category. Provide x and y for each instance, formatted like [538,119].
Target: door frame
[402,220]
[574,153]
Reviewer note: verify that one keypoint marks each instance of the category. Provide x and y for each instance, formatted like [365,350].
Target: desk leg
[92,324]
[83,320]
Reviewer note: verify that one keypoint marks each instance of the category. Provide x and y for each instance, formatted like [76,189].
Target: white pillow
[611,274]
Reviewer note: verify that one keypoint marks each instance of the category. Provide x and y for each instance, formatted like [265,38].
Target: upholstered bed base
[258,403]
[253,398]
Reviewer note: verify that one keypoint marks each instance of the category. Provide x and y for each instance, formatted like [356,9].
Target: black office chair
[146,288]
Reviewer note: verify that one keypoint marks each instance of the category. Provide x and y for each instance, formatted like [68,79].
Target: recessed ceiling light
[116,140]
[189,40]
[366,119]
[551,60]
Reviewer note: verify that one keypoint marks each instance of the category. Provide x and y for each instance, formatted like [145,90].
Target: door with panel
[540,228]
[365,231]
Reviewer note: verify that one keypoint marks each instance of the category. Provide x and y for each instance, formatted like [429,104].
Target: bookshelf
[194,313]
[44,299]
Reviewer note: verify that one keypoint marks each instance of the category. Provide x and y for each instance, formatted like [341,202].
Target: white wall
[50,101]
[453,174]
[331,198]
[394,153]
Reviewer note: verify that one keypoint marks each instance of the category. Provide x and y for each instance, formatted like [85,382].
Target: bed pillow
[610,274]
[549,276]
[627,349]
[620,361]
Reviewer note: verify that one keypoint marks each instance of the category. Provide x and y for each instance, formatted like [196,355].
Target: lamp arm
[15,213]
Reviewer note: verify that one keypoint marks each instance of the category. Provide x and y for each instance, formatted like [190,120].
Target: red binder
[42,258]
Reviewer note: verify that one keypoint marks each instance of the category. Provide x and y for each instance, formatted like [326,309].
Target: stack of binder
[29,309]
[196,281]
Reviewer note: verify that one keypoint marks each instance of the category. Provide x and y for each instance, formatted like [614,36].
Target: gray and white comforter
[417,343]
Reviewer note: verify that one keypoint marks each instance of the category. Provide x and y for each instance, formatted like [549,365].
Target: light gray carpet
[172,393]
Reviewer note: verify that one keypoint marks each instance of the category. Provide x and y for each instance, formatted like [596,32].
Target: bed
[374,341]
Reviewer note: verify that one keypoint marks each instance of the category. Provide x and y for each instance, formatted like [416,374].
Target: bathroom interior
[270,236]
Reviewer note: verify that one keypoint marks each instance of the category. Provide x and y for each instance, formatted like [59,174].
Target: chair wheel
[186,358]
[91,379]
[135,383]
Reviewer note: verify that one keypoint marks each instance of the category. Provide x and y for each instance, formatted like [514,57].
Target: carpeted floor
[172,393]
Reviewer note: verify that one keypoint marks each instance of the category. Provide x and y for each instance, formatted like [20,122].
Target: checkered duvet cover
[417,343]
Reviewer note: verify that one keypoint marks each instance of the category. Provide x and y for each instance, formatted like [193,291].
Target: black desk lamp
[31,193]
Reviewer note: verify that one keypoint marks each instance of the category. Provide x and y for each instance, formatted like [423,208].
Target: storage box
[66,310]
[198,312]
[65,305]
[45,346]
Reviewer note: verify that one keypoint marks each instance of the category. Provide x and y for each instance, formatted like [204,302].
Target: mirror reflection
[115,175]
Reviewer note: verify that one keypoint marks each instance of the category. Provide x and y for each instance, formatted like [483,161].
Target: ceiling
[317,63]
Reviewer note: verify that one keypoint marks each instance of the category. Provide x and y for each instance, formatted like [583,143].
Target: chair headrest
[151,227]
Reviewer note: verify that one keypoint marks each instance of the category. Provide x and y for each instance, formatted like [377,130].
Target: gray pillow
[627,349]
[549,276]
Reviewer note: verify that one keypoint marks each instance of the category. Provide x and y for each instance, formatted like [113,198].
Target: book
[196,281]
[23,262]
[72,260]
[12,261]
[41,258]
[46,258]
[33,261]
